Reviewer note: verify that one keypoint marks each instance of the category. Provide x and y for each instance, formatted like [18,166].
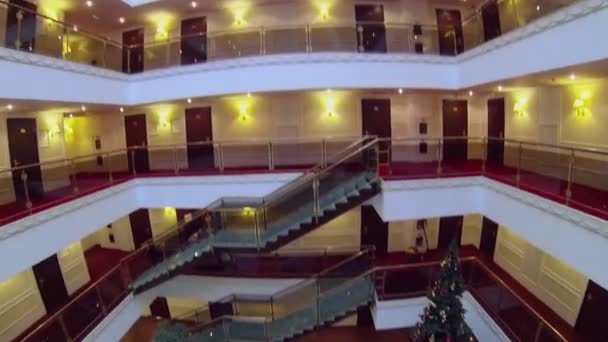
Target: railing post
[316,206]
[270,156]
[360,47]
[439,156]
[175,166]
[318,285]
[308,40]
[266,336]
[262,41]
[519,153]
[64,328]
[128,59]
[257,230]
[104,61]
[110,176]
[26,190]
[220,148]
[133,162]
[484,154]
[226,331]
[74,178]
[104,310]
[272,307]
[19,16]
[539,330]
[168,52]
[570,177]
[323,153]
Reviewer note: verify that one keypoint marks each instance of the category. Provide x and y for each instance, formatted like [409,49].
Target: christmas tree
[443,318]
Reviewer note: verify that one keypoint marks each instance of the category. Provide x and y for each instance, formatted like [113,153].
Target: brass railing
[62,40]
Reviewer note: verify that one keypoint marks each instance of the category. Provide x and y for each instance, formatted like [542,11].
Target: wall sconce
[329,103]
[580,106]
[239,16]
[170,211]
[243,113]
[519,107]
[248,211]
[324,12]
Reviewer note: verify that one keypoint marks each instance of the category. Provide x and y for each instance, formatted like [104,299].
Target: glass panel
[234,44]
[472,30]
[590,182]
[214,332]
[253,155]
[544,169]
[418,280]
[502,160]
[236,228]
[345,299]
[461,156]
[285,40]
[157,55]
[296,155]
[90,173]
[50,37]
[112,288]
[198,158]
[326,38]
[250,329]
[399,39]
[413,158]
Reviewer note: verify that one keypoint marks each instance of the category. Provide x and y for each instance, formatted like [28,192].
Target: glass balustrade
[41,34]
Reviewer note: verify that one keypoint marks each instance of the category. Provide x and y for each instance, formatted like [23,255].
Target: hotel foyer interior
[303,170]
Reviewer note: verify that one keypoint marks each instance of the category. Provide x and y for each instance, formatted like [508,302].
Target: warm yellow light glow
[243,112]
[170,211]
[248,211]
[520,106]
[162,21]
[164,120]
[53,126]
[239,16]
[324,11]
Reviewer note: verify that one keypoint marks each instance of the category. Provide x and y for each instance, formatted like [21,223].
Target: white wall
[21,304]
[551,280]
[73,267]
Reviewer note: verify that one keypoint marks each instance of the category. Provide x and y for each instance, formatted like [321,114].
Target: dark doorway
[26,34]
[496,130]
[449,29]
[371,32]
[449,228]
[133,51]
[160,308]
[194,40]
[490,18]
[50,283]
[198,131]
[219,309]
[374,231]
[137,136]
[591,320]
[487,242]
[376,120]
[23,150]
[455,126]
[140,227]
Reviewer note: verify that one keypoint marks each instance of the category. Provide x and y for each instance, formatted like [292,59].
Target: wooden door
[160,308]
[490,18]
[591,321]
[24,36]
[133,51]
[194,40]
[376,120]
[50,283]
[374,231]
[23,150]
[140,227]
[198,130]
[449,29]
[371,32]
[137,135]
[487,242]
[455,125]
[449,228]
[496,129]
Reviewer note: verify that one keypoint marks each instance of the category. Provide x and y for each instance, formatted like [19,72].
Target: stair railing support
[570,176]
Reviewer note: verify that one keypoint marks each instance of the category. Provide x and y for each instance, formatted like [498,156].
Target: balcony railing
[37,33]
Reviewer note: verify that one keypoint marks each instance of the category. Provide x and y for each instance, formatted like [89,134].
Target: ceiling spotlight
[537,8]
[470,93]
[75,28]
[189,100]
[121,20]
[10,107]
[328,90]
[89,3]
[572,77]
[83,108]
[400,90]
[499,88]
[193,4]
[71,115]
[248,94]
[122,110]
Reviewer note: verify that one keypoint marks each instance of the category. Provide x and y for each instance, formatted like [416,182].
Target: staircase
[259,225]
[320,301]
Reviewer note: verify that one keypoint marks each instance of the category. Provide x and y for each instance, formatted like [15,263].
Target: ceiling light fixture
[400,90]
[10,107]
[83,108]
[248,94]
[572,77]
[470,93]
[499,88]
[537,8]
[71,115]
[89,3]
[193,4]
[328,90]
[75,28]
[121,20]
[189,100]
[122,110]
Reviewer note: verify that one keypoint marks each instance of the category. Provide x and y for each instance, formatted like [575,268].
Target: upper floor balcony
[360,46]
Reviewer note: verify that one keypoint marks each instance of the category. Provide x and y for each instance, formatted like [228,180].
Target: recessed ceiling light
[83,108]
[10,107]
[89,3]
[537,7]
[499,88]
[71,115]
[121,20]
[470,93]
[189,100]
[328,90]
[248,94]
[400,90]
[572,77]
[122,110]
[193,4]
[75,28]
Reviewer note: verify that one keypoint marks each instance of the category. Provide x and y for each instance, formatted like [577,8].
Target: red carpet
[100,260]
